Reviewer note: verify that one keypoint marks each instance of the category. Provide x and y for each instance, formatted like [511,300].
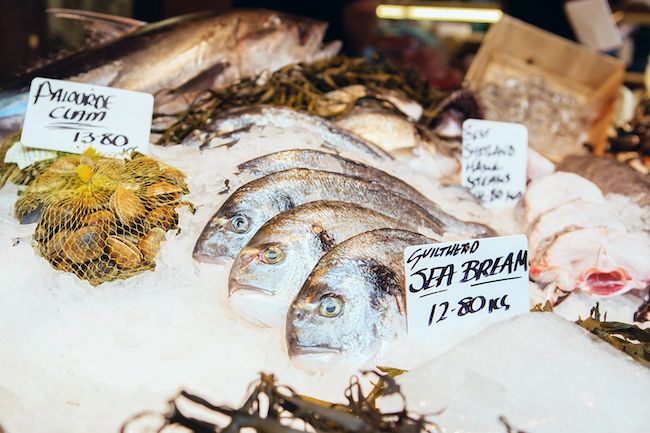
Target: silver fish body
[201,50]
[318,160]
[352,301]
[229,125]
[268,273]
[256,202]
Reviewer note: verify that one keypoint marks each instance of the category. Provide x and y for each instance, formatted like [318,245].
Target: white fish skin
[600,261]
[556,189]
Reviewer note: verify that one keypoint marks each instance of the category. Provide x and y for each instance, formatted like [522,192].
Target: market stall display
[273,214]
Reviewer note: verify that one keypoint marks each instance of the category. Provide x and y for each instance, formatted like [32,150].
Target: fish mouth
[247,289]
[212,259]
[607,283]
[299,350]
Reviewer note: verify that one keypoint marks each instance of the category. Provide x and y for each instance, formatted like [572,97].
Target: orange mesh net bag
[102,218]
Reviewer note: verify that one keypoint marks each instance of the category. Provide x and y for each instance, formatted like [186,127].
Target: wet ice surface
[542,373]
[76,358]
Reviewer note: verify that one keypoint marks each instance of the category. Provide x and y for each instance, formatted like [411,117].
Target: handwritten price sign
[465,284]
[70,117]
[494,161]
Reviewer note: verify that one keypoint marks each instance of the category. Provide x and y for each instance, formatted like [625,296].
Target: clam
[85,244]
[97,271]
[143,167]
[150,243]
[123,252]
[127,205]
[163,216]
[53,249]
[60,215]
[163,192]
[64,165]
[103,218]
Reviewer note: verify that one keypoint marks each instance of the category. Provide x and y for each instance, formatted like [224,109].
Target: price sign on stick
[70,117]
[465,284]
[494,161]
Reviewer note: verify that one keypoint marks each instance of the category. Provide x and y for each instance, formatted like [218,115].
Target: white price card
[71,117]
[465,285]
[494,161]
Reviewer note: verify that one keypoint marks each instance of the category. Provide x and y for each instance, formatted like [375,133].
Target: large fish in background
[184,54]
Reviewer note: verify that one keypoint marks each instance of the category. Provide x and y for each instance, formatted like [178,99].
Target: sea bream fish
[319,160]
[228,126]
[268,273]
[256,202]
[186,53]
[353,301]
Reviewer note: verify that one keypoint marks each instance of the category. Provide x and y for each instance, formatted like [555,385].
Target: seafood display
[580,241]
[269,271]
[611,176]
[253,204]
[317,160]
[353,301]
[102,219]
[183,54]
[268,222]
[229,125]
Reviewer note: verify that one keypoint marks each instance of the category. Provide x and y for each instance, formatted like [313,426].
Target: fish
[268,273]
[388,129]
[572,215]
[183,54]
[256,202]
[353,302]
[598,260]
[319,160]
[230,124]
[556,189]
[610,176]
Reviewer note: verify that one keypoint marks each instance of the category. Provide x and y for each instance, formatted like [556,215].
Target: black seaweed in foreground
[271,408]
[626,337]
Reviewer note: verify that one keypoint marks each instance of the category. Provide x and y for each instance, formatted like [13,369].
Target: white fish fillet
[537,166]
[600,261]
[576,214]
[557,189]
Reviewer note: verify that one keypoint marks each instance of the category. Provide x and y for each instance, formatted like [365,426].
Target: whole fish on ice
[318,160]
[230,124]
[186,53]
[353,301]
[256,202]
[268,273]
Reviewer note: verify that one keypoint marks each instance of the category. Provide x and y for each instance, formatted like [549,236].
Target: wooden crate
[591,78]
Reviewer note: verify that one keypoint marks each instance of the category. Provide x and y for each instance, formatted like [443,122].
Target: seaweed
[626,337]
[303,87]
[271,408]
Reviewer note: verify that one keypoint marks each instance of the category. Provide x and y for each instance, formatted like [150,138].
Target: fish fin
[325,240]
[204,80]
[98,26]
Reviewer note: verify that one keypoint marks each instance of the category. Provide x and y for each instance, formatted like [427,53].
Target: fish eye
[272,255]
[330,306]
[239,224]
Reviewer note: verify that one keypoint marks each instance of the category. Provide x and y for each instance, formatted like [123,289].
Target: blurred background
[440,48]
